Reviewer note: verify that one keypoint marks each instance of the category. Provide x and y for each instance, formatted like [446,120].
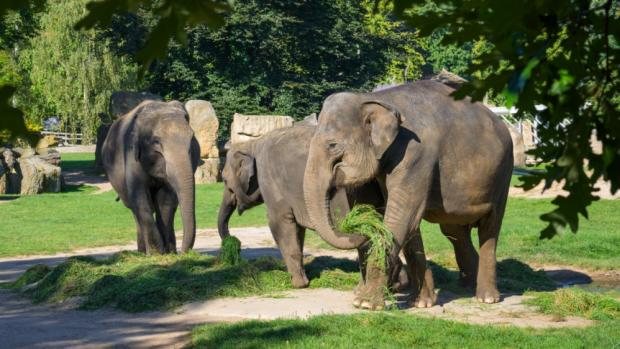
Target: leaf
[12,119]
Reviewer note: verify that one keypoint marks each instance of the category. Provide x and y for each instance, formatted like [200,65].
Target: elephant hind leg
[420,275]
[466,255]
[290,239]
[488,233]
[166,203]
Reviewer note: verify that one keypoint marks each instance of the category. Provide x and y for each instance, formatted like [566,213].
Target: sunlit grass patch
[576,302]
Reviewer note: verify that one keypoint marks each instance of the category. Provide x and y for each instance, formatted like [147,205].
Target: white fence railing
[65,138]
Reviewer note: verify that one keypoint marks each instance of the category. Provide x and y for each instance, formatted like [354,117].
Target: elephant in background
[150,156]
[270,170]
[436,158]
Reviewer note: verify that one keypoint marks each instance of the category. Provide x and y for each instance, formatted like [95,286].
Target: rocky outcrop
[122,102]
[247,127]
[38,176]
[518,146]
[204,123]
[26,173]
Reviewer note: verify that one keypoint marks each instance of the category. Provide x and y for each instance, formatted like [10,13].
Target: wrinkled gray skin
[150,156]
[445,161]
[270,170]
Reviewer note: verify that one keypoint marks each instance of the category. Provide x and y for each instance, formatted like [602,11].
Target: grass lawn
[396,330]
[52,223]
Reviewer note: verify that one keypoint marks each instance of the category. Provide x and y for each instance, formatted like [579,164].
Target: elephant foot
[371,295]
[300,281]
[487,295]
[426,298]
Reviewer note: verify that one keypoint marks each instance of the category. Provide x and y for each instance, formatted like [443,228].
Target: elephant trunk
[317,187]
[181,177]
[244,200]
[226,209]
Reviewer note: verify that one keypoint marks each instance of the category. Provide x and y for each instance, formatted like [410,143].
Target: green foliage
[134,282]
[365,220]
[72,73]
[230,252]
[395,330]
[575,302]
[562,55]
[274,56]
[174,17]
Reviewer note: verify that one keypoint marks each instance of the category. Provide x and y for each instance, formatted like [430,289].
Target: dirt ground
[24,325]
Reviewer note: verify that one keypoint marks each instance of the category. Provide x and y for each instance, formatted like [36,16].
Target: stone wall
[247,127]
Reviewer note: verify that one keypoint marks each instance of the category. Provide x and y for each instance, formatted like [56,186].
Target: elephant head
[241,189]
[164,145]
[354,131]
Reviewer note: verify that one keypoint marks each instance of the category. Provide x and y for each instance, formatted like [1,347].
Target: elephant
[439,159]
[150,156]
[270,169]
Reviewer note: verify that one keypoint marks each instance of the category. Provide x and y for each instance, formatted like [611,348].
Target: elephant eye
[332,145]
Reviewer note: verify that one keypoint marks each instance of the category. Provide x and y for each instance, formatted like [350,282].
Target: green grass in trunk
[366,221]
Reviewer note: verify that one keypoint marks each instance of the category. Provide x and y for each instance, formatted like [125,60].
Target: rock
[247,127]
[3,179]
[208,171]
[528,134]
[204,123]
[123,102]
[102,132]
[448,78]
[51,156]
[518,146]
[46,142]
[38,176]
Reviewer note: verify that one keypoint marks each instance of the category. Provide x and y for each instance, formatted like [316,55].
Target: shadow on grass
[253,334]
[513,278]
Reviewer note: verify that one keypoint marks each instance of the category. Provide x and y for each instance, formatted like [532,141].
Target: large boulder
[518,146]
[45,142]
[208,171]
[122,102]
[247,127]
[204,123]
[38,176]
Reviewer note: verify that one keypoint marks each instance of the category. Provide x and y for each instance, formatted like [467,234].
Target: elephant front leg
[166,203]
[402,215]
[143,213]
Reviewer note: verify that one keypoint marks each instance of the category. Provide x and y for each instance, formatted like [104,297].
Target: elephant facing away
[438,159]
[270,170]
[150,156]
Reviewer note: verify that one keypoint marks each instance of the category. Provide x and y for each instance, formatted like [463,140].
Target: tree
[274,56]
[564,55]
[72,73]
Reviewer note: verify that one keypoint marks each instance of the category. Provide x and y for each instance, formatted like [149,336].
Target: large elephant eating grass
[438,159]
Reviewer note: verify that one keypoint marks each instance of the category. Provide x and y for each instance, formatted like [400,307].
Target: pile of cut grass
[576,302]
[230,252]
[134,282]
[365,220]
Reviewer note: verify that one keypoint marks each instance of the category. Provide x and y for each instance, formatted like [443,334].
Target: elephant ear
[245,168]
[383,122]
